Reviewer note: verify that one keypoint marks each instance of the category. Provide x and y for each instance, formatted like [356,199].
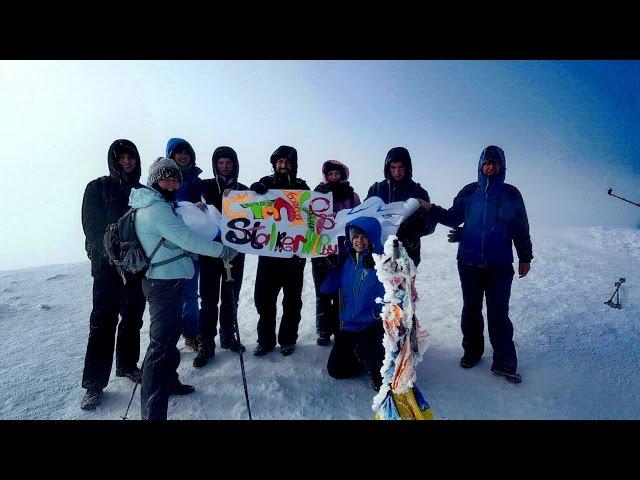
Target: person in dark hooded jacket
[105,201]
[274,274]
[398,186]
[214,286]
[181,152]
[358,344]
[336,181]
[494,219]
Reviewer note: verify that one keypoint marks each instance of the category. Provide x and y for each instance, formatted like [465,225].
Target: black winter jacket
[105,200]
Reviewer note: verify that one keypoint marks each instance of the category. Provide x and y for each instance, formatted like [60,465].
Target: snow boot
[232,344]
[469,362]
[191,343]
[287,349]
[262,350]
[324,339]
[91,399]
[135,375]
[205,353]
[509,375]
[182,389]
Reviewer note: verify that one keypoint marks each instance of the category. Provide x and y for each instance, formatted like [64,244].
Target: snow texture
[578,357]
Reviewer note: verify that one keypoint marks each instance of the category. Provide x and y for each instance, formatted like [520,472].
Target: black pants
[495,283]
[163,358]
[110,298]
[272,275]
[353,353]
[213,289]
[327,306]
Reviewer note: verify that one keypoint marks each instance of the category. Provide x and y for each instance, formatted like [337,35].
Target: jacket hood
[176,144]
[228,152]
[115,170]
[285,151]
[143,197]
[398,154]
[372,228]
[326,168]
[498,180]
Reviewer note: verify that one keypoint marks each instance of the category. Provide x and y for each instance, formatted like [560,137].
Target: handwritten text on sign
[280,223]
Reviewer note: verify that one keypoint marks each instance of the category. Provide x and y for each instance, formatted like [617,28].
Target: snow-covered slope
[579,358]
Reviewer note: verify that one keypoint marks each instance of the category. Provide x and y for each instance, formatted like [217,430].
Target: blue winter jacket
[191,188]
[358,284]
[494,217]
[155,219]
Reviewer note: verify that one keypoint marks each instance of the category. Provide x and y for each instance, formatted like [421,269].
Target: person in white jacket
[170,245]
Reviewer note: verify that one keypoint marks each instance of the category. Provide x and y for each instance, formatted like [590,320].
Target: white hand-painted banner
[283,223]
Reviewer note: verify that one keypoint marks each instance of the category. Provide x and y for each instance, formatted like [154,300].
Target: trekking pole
[227,266]
[133,393]
[617,291]
[614,195]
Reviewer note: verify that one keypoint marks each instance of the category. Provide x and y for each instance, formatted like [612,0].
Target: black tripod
[617,294]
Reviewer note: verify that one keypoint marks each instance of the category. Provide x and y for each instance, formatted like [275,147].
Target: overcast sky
[569,130]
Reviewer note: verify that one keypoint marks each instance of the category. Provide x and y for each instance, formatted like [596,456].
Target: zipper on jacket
[484,215]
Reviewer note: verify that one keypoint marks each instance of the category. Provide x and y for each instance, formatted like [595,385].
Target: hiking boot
[91,400]
[324,339]
[205,354]
[509,374]
[182,389]
[287,349]
[232,344]
[469,362]
[135,375]
[191,343]
[262,350]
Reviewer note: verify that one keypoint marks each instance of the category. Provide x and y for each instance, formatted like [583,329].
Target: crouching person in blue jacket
[169,245]
[358,345]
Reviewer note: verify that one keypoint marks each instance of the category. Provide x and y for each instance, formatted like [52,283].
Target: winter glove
[227,254]
[259,188]
[455,235]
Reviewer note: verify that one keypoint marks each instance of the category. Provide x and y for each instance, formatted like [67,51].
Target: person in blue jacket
[358,344]
[181,151]
[170,246]
[494,219]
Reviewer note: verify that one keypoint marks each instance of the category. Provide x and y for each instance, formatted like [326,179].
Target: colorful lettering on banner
[281,223]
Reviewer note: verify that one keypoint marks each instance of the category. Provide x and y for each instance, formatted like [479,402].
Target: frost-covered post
[404,338]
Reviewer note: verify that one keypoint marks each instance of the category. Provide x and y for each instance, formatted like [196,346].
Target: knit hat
[163,168]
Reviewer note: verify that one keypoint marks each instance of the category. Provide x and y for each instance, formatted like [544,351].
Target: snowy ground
[578,357]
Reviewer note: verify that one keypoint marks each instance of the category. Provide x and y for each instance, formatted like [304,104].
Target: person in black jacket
[495,219]
[214,286]
[274,274]
[105,201]
[399,186]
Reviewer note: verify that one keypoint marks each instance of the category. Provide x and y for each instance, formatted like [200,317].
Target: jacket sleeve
[455,215]
[94,219]
[519,229]
[171,227]
[331,283]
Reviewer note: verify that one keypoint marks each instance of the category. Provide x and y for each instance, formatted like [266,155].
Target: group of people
[184,267]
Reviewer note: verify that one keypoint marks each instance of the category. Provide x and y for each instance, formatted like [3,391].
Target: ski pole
[614,195]
[134,392]
[227,266]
